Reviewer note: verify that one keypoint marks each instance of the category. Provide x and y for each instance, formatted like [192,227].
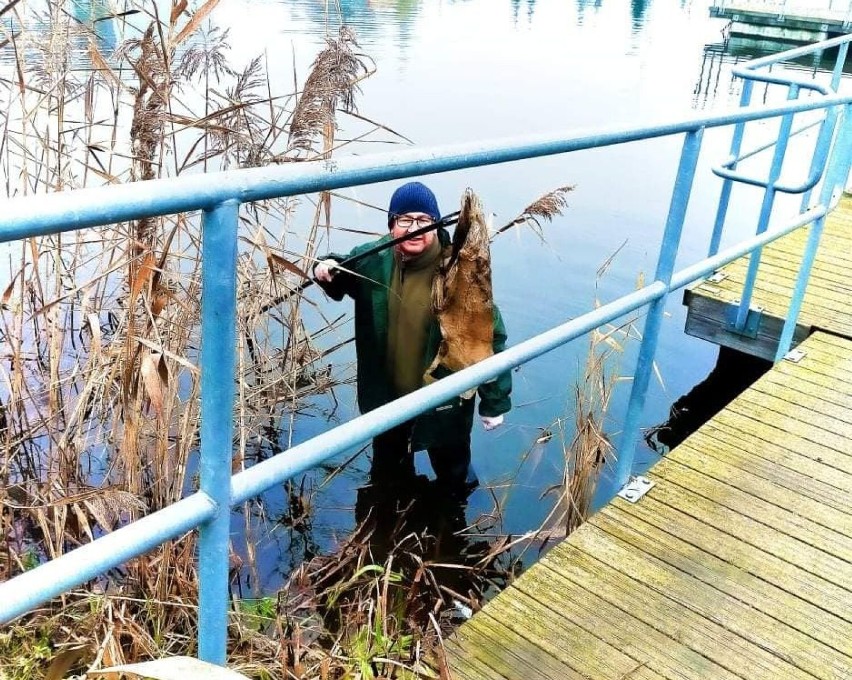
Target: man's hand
[325,270]
[491,422]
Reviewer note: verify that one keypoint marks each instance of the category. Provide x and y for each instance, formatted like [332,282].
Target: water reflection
[97,17]
[719,58]
[638,8]
[370,18]
[582,5]
[516,9]
[413,505]
[733,373]
[51,36]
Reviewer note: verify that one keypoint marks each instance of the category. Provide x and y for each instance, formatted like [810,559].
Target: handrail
[751,72]
[219,196]
[97,206]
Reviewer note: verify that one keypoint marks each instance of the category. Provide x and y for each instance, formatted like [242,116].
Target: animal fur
[462,298]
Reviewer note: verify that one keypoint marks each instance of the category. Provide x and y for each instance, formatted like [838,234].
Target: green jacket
[368,283]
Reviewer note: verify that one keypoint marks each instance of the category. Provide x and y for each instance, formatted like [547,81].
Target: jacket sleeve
[347,282]
[494,396]
[343,282]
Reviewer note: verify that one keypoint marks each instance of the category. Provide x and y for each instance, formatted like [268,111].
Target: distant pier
[798,21]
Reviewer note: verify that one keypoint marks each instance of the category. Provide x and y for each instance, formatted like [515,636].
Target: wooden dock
[785,20]
[736,565]
[826,303]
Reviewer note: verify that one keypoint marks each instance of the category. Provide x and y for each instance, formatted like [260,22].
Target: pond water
[460,70]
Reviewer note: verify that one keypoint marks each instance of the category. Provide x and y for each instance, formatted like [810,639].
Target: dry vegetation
[99,400]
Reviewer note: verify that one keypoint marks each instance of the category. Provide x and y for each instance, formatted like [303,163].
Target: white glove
[491,422]
[325,270]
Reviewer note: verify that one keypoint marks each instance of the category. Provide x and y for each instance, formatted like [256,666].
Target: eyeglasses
[406,221]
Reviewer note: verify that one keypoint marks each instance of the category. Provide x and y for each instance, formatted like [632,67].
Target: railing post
[218,340]
[829,122]
[651,332]
[835,176]
[766,210]
[727,184]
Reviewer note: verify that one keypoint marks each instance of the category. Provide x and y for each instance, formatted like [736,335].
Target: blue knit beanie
[413,197]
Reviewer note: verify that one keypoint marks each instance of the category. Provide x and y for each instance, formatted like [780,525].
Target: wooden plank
[465,651]
[775,280]
[802,401]
[791,523]
[775,484]
[564,641]
[784,606]
[519,651]
[708,637]
[796,473]
[463,666]
[826,356]
[755,533]
[778,421]
[820,375]
[786,643]
[828,429]
[620,628]
[807,393]
[709,328]
[830,340]
[740,554]
[748,423]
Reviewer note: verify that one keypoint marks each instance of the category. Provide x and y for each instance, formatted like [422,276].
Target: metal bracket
[635,488]
[795,355]
[752,323]
[717,277]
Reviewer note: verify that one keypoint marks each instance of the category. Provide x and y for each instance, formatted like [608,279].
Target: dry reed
[99,412]
[99,415]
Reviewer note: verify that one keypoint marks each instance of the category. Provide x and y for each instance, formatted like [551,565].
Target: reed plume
[545,208]
[331,85]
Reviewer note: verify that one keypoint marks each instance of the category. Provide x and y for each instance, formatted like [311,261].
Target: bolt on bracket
[752,322]
[795,355]
[635,488]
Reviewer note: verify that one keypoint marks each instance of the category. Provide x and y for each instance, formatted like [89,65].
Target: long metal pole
[218,338]
[69,210]
[650,336]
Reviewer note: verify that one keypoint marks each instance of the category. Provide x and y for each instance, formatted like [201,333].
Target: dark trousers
[398,502]
[393,460]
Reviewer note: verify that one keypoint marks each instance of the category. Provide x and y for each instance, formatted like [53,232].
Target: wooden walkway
[787,20]
[736,565]
[818,11]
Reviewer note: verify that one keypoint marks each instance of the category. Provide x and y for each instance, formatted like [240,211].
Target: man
[397,337]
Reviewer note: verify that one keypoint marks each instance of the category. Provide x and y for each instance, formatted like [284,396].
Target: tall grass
[99,405]
[585,443]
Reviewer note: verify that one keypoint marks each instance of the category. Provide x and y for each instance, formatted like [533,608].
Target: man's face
[409,222]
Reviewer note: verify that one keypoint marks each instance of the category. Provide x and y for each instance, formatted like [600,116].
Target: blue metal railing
[219,195]
[759,70]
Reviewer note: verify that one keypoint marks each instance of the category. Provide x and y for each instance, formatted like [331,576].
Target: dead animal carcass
[462,299]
